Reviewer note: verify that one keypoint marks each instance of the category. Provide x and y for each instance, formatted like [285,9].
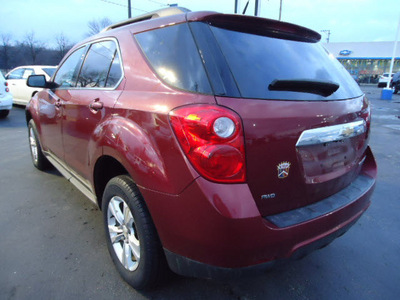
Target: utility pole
[328,34]
[129,9]
[257,7]
[280,10]
[237,3]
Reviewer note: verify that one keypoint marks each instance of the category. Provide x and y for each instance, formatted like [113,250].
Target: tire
[38,159]
[4,113]
[130,229]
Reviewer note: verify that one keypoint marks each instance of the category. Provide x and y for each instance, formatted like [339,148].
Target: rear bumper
[191,268]
[216,229]
[6,103]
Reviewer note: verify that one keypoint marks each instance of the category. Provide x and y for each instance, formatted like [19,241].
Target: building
[366,60]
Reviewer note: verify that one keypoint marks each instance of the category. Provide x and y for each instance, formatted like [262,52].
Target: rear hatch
[305,119]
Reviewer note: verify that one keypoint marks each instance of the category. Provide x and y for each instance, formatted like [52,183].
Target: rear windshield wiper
[323,88]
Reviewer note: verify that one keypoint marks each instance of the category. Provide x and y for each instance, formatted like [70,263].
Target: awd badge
[283,169]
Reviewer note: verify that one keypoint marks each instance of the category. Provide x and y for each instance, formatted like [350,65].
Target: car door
[50,107]
[25,92]
[14,79]
[90,103]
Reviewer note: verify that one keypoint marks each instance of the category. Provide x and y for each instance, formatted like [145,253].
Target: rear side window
[115,72]
[67,74]
[98,64]
[175,58]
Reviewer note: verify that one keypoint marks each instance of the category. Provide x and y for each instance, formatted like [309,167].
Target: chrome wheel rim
[123,234]
[33,145]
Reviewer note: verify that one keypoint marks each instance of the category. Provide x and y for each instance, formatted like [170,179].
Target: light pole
[328,33]
[129,9]
[280,10]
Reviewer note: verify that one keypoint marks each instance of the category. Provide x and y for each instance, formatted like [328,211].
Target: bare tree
[95,26]
[5,50]
[34,46]
[63,44]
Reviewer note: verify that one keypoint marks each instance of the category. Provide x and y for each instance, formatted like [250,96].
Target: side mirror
[40,82]
[36,81]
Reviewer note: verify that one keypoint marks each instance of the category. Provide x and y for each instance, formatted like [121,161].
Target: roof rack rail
[165,12]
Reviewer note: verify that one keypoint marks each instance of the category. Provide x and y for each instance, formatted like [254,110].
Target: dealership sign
[345,52]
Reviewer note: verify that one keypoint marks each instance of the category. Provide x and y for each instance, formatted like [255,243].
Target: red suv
[214,143]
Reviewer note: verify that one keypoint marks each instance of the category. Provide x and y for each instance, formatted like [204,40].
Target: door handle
[96,105]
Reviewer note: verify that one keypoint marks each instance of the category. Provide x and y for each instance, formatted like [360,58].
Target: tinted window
[115,72]
[68,72]
[255,61]
[173,55]
[97,65]
[17,74]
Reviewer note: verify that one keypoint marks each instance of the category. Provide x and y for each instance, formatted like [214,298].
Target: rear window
[256,61]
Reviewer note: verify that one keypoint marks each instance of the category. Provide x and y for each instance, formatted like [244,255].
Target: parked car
[17,81]
[6,99]
[356,78]
[395,83]
[384,79]
[213,143]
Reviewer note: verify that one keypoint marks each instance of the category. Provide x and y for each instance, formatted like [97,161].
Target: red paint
[212,222]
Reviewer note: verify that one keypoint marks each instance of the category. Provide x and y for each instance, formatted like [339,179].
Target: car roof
[176,15]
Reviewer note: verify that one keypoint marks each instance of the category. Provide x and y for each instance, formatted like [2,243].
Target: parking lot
[53,246]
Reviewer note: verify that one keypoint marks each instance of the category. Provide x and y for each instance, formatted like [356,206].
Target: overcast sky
[348,20]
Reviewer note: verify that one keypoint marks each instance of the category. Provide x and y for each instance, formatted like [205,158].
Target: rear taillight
[6,84]
[212,138]
[366,114]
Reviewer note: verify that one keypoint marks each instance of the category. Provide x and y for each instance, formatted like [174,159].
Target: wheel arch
[106,168]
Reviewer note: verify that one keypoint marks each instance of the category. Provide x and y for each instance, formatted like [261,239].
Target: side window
[175,58]
[17,74]
[98,64]
[115,72]
[68,72]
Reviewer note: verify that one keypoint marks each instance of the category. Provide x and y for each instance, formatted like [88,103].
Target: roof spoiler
[165,12]
[262,26]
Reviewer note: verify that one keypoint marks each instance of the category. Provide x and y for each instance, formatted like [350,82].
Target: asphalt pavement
[52,244]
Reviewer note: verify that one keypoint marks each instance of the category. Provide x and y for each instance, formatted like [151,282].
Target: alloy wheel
[123,234]
[33,145]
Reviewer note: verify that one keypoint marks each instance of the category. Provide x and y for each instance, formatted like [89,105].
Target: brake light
[366,114]
[212,138]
